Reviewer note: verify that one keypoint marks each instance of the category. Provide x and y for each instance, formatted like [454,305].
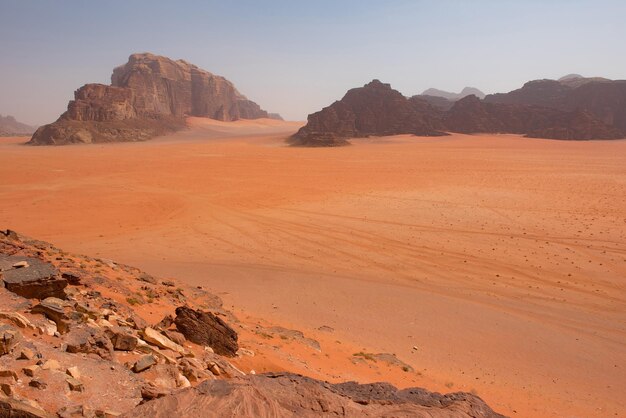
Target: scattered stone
[175,336]
[38,280]
[38,384]
[20,264]
[9,338]
[124,341]
[26,354]
[145,277]
[154,337]
[144,363]
[30,371]
[8,373]
[204,328]
[168,283]
[74,384]
[54,309]
[215,369]
[74,372]
[72,277]
[106,413]
[326,328]
[72,411]
[150,391]
[51,364]
[6,388]
[87,339]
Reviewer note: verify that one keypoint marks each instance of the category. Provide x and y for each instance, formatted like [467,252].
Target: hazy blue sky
[295,57]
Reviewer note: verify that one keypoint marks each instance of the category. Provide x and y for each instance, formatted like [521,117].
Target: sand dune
[502,259]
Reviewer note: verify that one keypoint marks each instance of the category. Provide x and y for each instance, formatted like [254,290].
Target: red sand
[502,259]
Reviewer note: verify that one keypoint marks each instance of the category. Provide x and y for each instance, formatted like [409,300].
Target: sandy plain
[494,263]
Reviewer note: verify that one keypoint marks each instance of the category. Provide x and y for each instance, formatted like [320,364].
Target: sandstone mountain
[374,109]
[602,98]
[10,126]
[543,109]
[454,96]
[149,95]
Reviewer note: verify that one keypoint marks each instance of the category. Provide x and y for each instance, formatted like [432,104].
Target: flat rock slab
[38,280]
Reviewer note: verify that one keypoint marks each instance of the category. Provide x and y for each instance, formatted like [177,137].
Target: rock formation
[290,395]
[372,110]
[603,99]
[149,95]
[11,127]
[551,109]
[472,115]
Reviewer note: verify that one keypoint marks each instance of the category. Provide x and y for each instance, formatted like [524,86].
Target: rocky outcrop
[207,329]
[603,99]
[472,115]
[372,110]
[289,395]
[544,109]
[9,127]
[149,96]
[31,278]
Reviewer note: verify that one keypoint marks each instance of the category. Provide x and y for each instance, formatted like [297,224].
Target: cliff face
[148,96]
[604,99]
[471,115]
[592,109]
[374,109]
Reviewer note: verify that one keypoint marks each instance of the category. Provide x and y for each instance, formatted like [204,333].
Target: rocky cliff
[604,99]
[149,95]
[10,126]
[374,109]
[542,109]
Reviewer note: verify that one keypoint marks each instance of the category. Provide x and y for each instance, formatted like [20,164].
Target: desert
[502,256]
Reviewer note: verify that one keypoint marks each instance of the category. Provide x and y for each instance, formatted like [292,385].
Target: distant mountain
[467,91]
[602,98]
[10,126]
[437,101]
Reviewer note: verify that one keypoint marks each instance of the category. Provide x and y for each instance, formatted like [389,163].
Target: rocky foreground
[569,109]
[76,343]
[150,95]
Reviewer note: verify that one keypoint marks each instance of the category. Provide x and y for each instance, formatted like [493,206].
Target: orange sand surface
[494,264]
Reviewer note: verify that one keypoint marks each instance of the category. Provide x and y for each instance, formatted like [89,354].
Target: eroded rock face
[289,395]
[472,115]
[372,110]
[582,110]
[149,96]
[204,328]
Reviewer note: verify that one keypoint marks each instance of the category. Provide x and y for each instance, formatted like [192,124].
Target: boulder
[38,280]
[9,338]
[144,363]
[13,408]
[56,310]
[123,340]
[87,339]
[204,328]
[154,337]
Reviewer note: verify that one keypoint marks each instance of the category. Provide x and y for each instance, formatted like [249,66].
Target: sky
[295,57]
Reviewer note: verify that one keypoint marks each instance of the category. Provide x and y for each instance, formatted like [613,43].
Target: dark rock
[37,281]
[372,110]
[124,340]
[38,384]
[204,328]
[89,340]
[72,277]
[144,363]
[293,395]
